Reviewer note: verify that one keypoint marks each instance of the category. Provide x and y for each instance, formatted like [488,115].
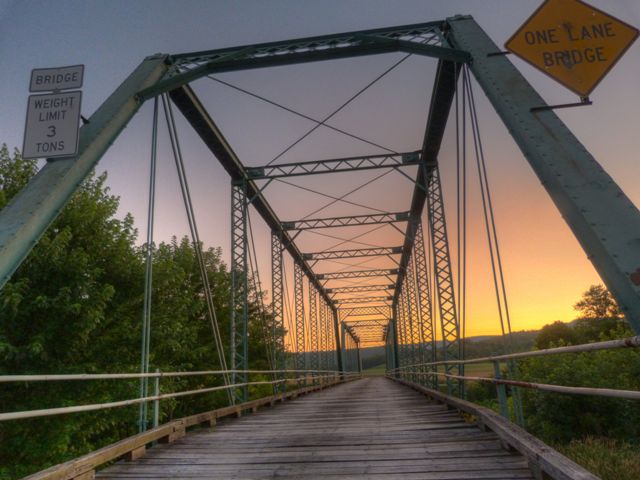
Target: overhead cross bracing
[354,253]
[424,39]
[348,221]
[334,165]
[365,288]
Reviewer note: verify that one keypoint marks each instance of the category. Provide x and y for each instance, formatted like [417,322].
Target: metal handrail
[586,347]
[154,398]
[601,392]
[120,376]
[629,342]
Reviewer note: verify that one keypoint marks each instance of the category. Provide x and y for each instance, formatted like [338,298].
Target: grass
[479,370]
[473,369]
[377,370]
[607,458]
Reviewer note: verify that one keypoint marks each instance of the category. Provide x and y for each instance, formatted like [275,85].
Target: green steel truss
[450,329]
[358,274]
[239,289]
[414,318]
[353,253]
[343,301]
[391,160]
[348,221]
[427,39]
[425,306]
[324,334]
[604,220]
[360,289]
[314,330]
[300,338]
[380,310]
[277,303]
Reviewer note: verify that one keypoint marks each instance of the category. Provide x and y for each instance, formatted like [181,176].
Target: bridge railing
[283,380]
[292,382]
[427,374]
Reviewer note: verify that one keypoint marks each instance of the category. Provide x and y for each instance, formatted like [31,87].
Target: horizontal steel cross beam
[386,298]
[349,221]
[357,274]
[358,252]
[383,311]
[358,289]
[350,164]
[425,39]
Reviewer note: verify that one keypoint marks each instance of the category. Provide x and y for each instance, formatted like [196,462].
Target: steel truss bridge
[353,429]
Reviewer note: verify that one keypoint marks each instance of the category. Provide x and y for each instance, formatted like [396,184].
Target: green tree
[75,306]
[555,334]
[70,307]
[562,418]
[596,303]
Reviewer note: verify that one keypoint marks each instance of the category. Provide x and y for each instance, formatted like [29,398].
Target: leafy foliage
[562,418]
[75,306]
[598,303]
[609,459]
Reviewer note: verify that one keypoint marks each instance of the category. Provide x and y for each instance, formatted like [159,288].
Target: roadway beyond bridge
[370,428]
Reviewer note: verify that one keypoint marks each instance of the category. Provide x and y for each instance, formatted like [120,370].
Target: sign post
[53,119]
[573,42]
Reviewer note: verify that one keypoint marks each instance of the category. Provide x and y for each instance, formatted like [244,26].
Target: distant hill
[475,347]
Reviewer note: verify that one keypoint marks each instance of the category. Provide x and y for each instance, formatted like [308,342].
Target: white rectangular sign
[52,125]
[54,79]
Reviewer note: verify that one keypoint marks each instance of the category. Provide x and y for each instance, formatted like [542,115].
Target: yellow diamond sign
[573,42]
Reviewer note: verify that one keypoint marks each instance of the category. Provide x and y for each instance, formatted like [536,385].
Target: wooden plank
[548,460]
[83,467]
[373,428]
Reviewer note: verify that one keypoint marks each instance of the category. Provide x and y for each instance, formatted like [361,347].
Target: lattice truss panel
[424,34]
[358,289]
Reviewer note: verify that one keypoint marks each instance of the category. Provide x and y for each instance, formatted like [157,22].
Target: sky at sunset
[545,269]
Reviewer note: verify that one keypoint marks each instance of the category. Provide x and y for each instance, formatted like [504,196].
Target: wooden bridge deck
[372,428]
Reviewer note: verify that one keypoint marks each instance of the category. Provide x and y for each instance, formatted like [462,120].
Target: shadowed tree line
[75,306]
[562,418]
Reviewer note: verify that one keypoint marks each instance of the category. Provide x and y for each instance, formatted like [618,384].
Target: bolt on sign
[53,119]
[573,42]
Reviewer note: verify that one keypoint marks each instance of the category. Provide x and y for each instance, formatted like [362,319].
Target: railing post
[515,394]
[502,391]
[156,402]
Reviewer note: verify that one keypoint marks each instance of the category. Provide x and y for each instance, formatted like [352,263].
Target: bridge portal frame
[586,196]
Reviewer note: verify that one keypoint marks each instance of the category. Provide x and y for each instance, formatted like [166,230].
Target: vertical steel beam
[601,216]
[427,336]
[444,280]
[322,333]
[336,336]
[299,314]
[313,327]
[394,331]
[239,288]
[31,211]
[343,343]
[402,324]
[414,319]
[277,304]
